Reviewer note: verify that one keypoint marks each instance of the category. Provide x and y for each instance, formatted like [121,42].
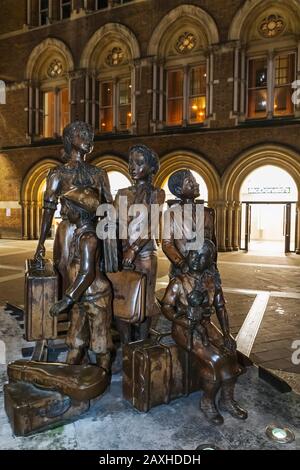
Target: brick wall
[220,145]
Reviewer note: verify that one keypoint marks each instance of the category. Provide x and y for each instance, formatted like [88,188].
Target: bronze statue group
[87,291]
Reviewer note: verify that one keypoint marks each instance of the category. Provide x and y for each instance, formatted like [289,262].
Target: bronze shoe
[233,408]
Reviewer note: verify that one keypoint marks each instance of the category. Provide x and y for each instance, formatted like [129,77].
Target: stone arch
[193,161]
[189,12]
[111,163]
[31,197]
[109,30]
[277,155]
[246,15]
[41,54]
[251,159]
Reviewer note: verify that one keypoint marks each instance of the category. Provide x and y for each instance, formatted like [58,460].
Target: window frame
[58,127]
[186,96]
[61,9]
[189,96]
[97,8]
[168,70]
[115,80]
[271,85]
[44,10]
[256,57]
[276,55]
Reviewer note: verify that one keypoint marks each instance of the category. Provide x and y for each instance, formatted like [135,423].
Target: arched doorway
[32,192]
[274,156]
[269,198]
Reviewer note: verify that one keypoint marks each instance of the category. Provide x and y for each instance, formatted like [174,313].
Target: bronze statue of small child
[195,312]
[201,299]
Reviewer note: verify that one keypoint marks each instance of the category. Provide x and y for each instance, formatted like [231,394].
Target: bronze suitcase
[30,409]
[41,287]
[156,372]
[129,295]
[83,382]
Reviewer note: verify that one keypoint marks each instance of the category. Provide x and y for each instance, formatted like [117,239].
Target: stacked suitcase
[156,371]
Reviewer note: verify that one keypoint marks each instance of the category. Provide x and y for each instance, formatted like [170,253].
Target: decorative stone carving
[115,57]
[55,69]
[185,43]
[272,26]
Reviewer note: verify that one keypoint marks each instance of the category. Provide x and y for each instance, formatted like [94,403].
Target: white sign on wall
[269,190]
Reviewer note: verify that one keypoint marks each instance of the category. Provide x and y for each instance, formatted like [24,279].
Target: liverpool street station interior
[119,330]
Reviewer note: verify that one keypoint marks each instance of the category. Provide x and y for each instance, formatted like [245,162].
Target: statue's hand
[128,258]
[229,343]
[39,255]
[59,307]
[184,267]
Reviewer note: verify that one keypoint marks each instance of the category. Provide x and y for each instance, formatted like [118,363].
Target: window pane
[257,88]
[257,103]
[66,9]
[175,97]
[258,73]
[124,118]
[197,109]
[101,4]
[106,94]
[283,104]
[124,92]
[64,109]
[175,84]
[198,80]
[49,114]
[175,111]
[284,76]
[106,107]
[124,104]
[44,11]
[285,69]
[106,120]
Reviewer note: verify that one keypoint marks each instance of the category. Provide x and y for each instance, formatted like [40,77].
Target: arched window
[183,67]
[268,59]
[115,91]
[109,60]
[49,103]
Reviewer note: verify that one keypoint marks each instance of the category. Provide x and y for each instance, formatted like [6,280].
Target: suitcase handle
[157,335]
[55,409]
